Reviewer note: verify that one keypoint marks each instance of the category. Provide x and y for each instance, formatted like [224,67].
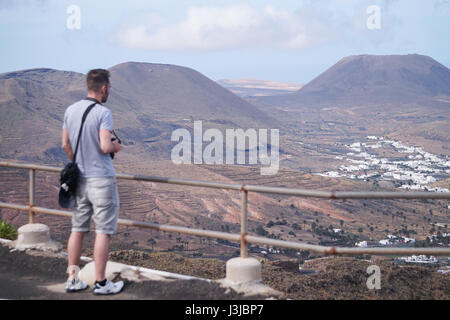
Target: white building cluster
[434,237]
[394,240]
[362,244]
[415,169]
[269,250]
[419,259]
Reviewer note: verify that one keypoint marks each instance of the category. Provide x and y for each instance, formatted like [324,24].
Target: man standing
[97,194]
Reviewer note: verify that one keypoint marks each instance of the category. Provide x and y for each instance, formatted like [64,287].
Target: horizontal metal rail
[132,223]
[247,238]
[243,237]
[260,189]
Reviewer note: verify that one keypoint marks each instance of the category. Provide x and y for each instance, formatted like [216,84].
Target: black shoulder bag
[69,175]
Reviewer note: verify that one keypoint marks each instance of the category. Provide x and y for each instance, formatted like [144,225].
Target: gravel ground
[333,277]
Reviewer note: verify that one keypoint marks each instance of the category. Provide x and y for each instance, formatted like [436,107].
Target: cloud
[205,28]
[236,26]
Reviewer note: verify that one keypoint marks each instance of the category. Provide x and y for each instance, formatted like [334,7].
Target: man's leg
[74,247]
[74,253]
[81,220]
[105,198]
[101,253]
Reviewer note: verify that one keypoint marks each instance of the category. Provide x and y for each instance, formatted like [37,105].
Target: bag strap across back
[81,128]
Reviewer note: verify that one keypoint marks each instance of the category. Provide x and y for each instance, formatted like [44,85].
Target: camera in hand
[112,140]
[112,153]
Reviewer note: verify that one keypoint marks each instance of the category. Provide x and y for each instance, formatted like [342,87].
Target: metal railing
[244,238]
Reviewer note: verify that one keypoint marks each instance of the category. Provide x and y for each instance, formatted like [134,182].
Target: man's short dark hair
[97,78]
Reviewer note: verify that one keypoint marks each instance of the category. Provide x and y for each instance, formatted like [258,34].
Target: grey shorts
[98,198]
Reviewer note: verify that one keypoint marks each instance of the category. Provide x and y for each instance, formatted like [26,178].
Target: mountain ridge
[174,85]
[148,101]
[371,80]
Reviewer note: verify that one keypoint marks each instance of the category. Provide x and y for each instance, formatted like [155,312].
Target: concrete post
[243,270]
[36,236]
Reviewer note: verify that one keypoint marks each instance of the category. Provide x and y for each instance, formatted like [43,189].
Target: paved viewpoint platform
[38,275]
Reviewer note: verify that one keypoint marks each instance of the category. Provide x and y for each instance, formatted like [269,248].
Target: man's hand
[117,146]
[106,144]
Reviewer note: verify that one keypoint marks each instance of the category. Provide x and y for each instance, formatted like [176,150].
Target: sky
[289,41]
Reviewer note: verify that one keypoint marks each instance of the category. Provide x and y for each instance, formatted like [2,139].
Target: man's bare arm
[67,147]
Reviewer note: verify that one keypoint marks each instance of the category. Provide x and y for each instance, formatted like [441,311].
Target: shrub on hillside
[7,231]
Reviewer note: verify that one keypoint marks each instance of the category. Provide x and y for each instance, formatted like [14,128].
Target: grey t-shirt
[91,160]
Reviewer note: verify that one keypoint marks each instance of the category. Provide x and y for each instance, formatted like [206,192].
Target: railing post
[244,227]
[32,173]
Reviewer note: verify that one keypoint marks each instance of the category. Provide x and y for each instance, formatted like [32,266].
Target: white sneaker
[75,285]
[109,288]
